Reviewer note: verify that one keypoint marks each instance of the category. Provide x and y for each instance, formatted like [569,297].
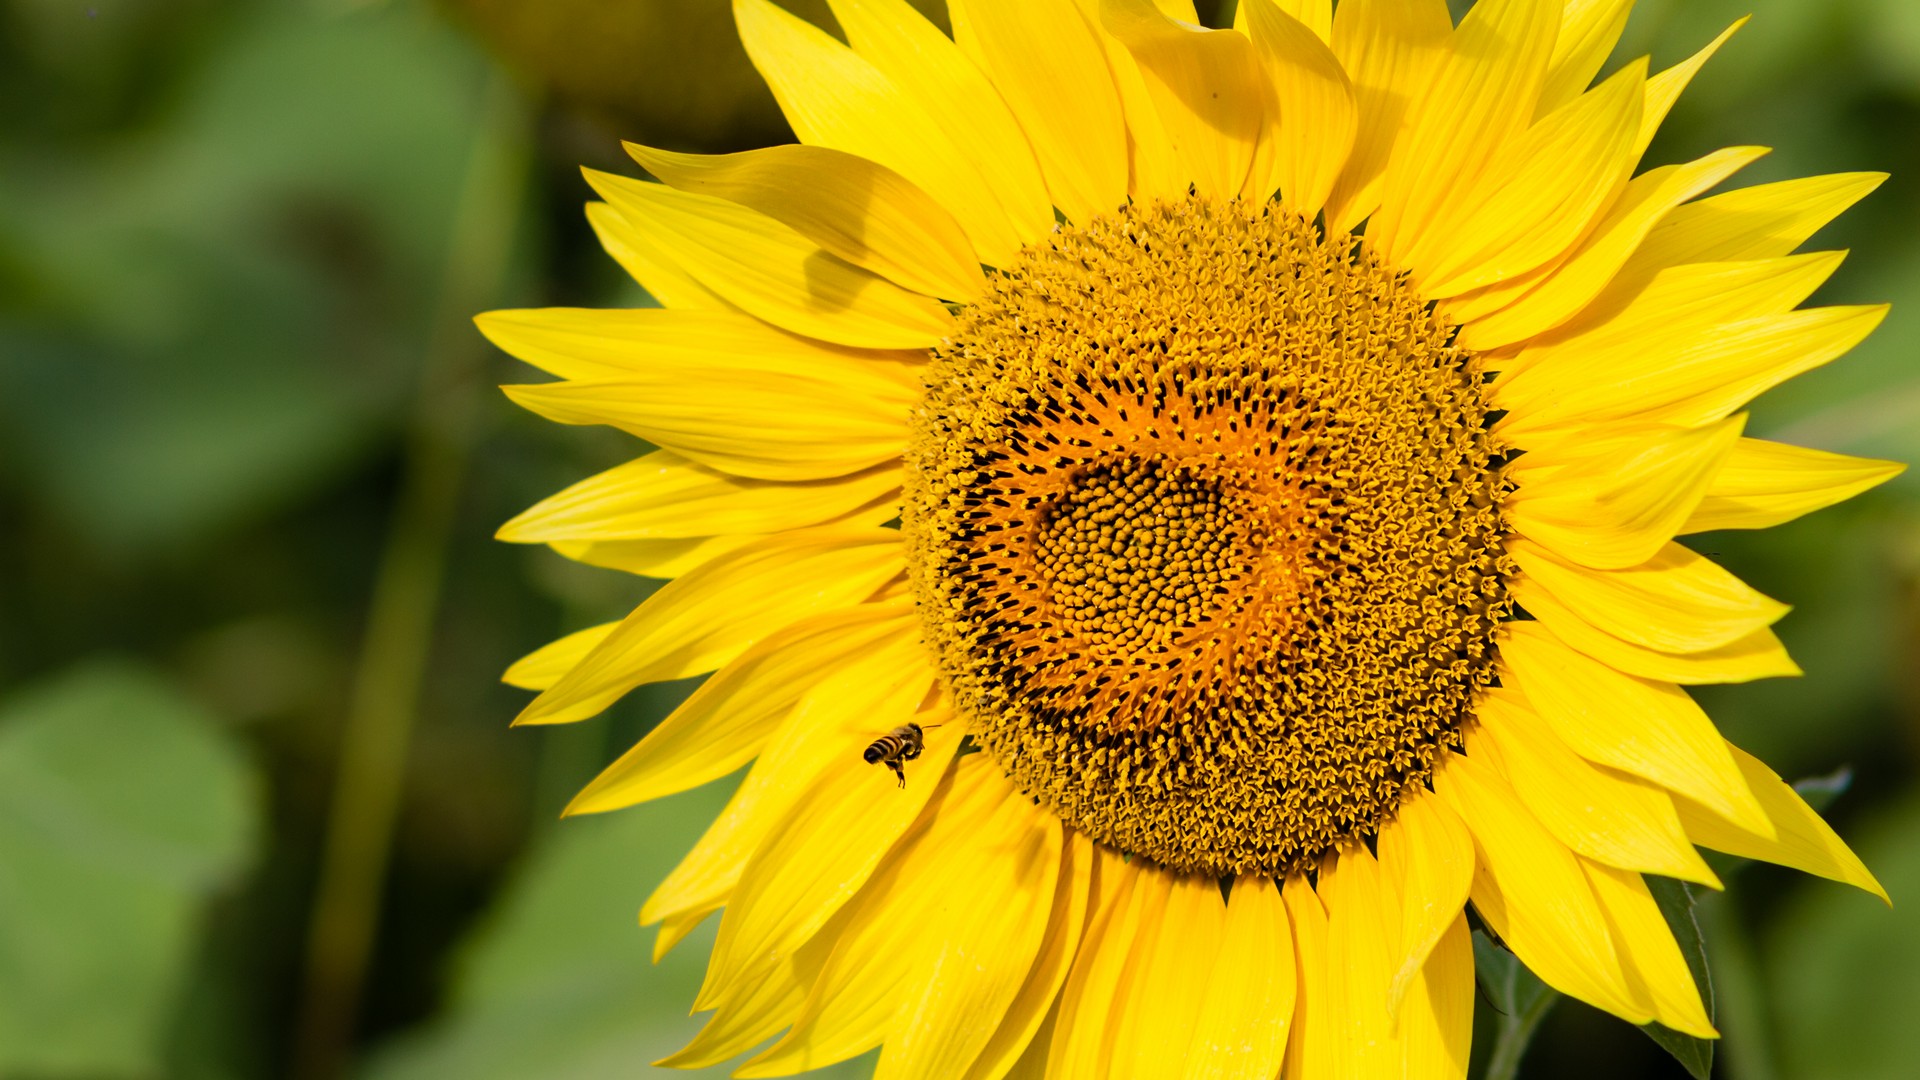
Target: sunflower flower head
[1267,447]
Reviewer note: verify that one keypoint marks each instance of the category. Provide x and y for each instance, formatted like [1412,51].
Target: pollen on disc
[1203,521]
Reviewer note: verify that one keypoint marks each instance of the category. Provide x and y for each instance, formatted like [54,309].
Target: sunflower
[1232,477]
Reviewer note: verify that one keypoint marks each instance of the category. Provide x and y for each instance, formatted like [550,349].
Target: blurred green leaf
[1519,1000]
[1845,631]
[209,315]
[1676,905]
[123,808]
[1846,969]
[557,983]
[1892,40]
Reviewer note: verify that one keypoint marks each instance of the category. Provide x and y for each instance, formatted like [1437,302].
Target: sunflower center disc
[1203,523]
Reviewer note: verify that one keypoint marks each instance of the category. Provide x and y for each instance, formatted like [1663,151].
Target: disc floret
[1204,524]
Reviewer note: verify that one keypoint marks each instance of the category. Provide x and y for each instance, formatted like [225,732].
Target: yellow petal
[1530,889]
[1360,953]
[1084,1033]
[1665,88]
[760,1009]
[641,256]
[1761,222]
[938,76]
[726,722]
[1390,50]
[1426,854]
[698,622]
[1605,815]
[1756,355]
[664,559]
[1050,65]
[761,424]
[861,211]
[1157,1002]
[1648,953]
[1153,168]
[984,950]
[768,269]
[1700,381]
[1622,494]
[1661,313]
[904,930]
[674,930]
[820,852]
[1033,1062]
[671,558]
[1311,1051]
[1310,129]
[1246,1005]
[848,708]
[1678,601]
[1482,97]
[1516,311]
[1758,655]
[1206,86]
[665,496]
[1799,838]
[1589,29]
[1315,15]
[836,98]
[1029,1017]
[1765,483]
[1650,729]
[1436,1021]
[1542,193]
[600,343]
[546,665]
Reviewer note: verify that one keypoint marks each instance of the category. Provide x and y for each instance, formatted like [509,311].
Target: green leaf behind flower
[123,809]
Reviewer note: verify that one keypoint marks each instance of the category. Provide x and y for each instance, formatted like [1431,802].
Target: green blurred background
[260,811]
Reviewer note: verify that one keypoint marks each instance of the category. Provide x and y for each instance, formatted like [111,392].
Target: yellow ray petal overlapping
[1615,499]
[1390,49]
[1023,1031]
[764,267]
[1426,855]
[727,722]
[1049,61]
[1312,118]
[761,589]
[1481,98]
[1206,87]
[1589,29]
[1758,655]
[1601,814]
[1763,484]
[1761,222]
[1530,888]
[872,688]
[1529,305]
[663,496]
[861,211]
[1649,729]
[1656,971]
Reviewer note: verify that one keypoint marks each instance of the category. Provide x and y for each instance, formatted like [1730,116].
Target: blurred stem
[1516,1032]
[407,591]
[1740,1006]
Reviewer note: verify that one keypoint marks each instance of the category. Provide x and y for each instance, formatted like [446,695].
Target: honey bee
[897,747]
